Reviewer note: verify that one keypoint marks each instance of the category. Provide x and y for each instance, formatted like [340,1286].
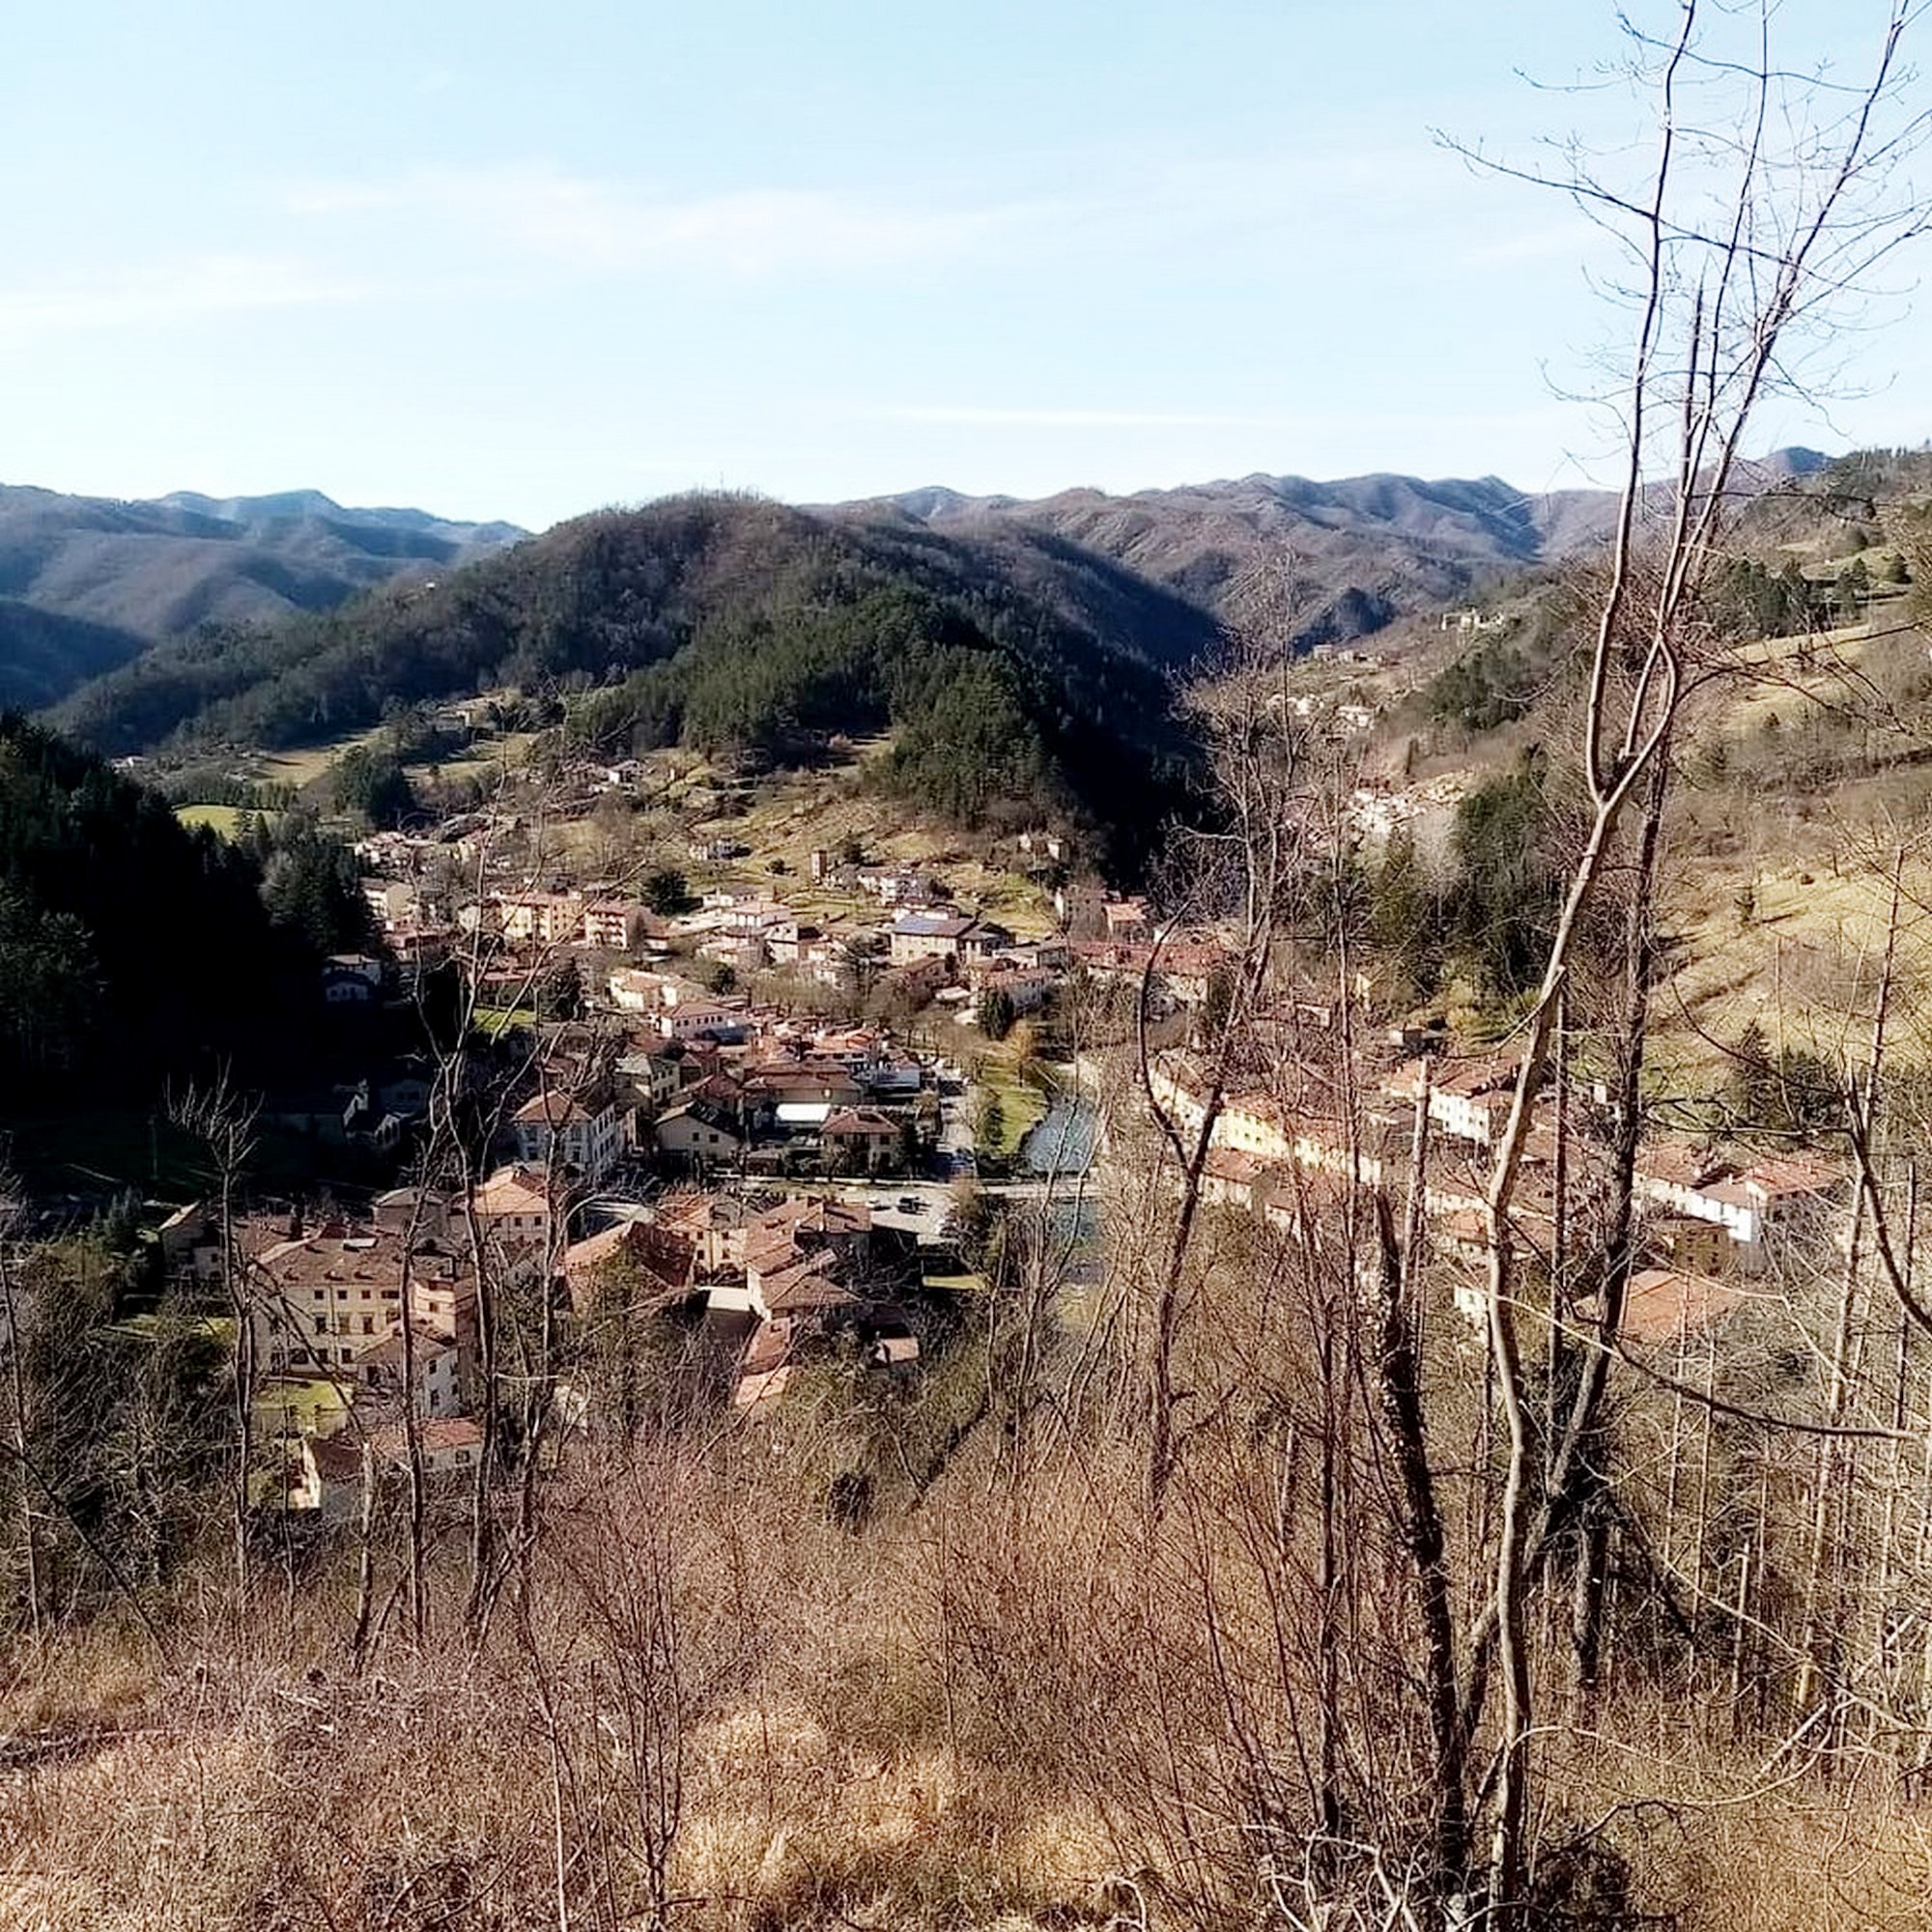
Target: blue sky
[525,260]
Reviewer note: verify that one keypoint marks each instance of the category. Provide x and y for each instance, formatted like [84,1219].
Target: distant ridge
[130,573]
[1347,556]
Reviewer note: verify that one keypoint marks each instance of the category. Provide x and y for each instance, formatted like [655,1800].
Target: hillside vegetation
[137,951]
[1018,678]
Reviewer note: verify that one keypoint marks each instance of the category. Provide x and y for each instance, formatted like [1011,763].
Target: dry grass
[981,1718]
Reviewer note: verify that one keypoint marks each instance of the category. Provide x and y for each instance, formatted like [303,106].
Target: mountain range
[1326,561]
[88,584]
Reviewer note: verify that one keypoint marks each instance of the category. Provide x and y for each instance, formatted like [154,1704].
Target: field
[301,765]
[221,818]
[997,1074]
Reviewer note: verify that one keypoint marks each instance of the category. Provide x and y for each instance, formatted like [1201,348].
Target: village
[749,1130]
[756,1109]
[1716,1224]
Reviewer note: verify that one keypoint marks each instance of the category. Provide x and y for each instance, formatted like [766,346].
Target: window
[321,1324]
[368,1324]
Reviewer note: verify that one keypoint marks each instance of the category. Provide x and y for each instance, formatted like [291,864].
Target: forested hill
[132,950]
[87,582]
[1017,672]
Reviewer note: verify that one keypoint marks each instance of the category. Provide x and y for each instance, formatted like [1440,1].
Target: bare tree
[1769,206]
[223,1121]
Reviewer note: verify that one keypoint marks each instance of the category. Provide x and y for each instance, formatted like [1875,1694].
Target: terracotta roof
[1233,1166]
[1790,1173]
[1677,1162]
[807,1286]
[699,1212]
[433,1431]
[388,1355]
[512,1190]
[557,1110]
[816,1217]
[1662,1303]
[340,1253]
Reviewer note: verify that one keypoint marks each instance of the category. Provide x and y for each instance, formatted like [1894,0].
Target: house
[1026,986]
[698,1130]
[1255,1124]
[1181,971]
[860,1137]
[658,1265]
[895,1079]
[450,1445]
[1689,1180]
[435,1359]
[1688,1245]
[694,1014]
[845,1225]
[656,1078]
[351,980]
[1674,1304]
[896,886]
[560,1129]
[541,918]
[320,1476]
[919,936]
[191,1245]
[1468,1098]
[392,903]
[615,926]
[412,1211]
[325,1300]
[1050,953]
[1229,1178]
[712,1227]
[818,1082]
[633,990]
[1790,1187]
[983,941]
[1127,920]
[854,1048]
[513,1207]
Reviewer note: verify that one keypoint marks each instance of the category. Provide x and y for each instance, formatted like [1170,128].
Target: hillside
[95,872]
[1328,561]
[1018,674]
[44,655]
[141,571]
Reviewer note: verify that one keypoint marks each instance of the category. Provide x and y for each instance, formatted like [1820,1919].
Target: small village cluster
[1713,1220]
[673,1132]
[365,1330]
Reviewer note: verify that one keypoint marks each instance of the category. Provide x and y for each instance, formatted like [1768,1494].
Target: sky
[525,260]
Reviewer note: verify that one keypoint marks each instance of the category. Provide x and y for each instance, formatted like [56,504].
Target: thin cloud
[603,226]
[973,416]
[1575,240]
[205,285]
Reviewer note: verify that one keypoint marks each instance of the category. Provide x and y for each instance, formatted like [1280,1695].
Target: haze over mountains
[1352,555]
[88,584]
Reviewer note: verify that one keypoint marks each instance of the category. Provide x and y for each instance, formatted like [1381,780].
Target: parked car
[912,1203]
